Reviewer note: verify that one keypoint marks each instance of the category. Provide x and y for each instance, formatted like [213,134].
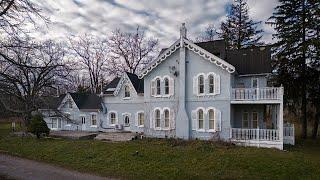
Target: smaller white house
[73,111]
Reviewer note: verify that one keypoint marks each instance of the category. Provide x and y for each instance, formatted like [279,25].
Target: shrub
[38,126]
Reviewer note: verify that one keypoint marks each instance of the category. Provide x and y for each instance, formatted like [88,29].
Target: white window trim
[156,87]
[214,113]
[204,119]
[68,125]
[254,78]
[94,126]
[52,123]
[162,87]
[109,118]
[137,116]
[154,117]
[123,117]
[197,84]
[208,85]
[166,128]
[124,95]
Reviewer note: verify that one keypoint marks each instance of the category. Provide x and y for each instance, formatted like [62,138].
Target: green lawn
[169,159]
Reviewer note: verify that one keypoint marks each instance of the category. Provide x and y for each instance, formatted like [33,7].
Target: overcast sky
[160,18]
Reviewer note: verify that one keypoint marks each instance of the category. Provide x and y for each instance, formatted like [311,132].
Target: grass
[169,159]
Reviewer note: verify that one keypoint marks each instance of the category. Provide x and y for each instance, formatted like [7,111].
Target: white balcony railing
[254,94]
[254,134]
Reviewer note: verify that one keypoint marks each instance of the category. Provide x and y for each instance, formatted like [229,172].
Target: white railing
[253,94]
[288,134]
[254,134]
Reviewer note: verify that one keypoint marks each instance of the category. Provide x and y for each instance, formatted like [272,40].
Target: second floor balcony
[274,94]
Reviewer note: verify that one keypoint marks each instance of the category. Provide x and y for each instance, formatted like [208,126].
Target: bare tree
[209,34]
[92,53]
[27,71]
[130,51]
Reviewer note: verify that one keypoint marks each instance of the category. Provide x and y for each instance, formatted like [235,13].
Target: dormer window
[201,84]
[126,92]
[69,103]
[166,86]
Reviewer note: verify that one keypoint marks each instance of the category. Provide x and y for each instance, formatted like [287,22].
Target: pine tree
[297,31]
[239,30]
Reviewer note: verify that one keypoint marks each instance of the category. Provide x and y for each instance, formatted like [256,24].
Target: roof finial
[183,31]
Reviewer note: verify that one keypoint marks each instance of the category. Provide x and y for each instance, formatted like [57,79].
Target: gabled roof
[51,102]
[86,101]
[116,83]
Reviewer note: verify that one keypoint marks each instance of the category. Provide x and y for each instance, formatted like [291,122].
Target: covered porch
[259,125]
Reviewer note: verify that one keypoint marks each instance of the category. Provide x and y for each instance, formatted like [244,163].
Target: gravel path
[19,168]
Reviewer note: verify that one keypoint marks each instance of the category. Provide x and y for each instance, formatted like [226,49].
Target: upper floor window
[93,119]
[158,86]
[200,119]
[211,118]
[157,118]
[201,84]
[69,102]
[211,84]
[166,86]
[166,118]
[126,91]
[140,119]
[112,118]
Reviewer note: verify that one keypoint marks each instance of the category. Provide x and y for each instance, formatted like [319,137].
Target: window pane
[211,119]
[112,118]
[245,120]
[54,123]
[166,86]
[141,119]
[158,87]
[126,120]
[201,84]
[157,118]
[200,118]
[166,118]
[211,84]
[126,91]
[254,120]
[255,83]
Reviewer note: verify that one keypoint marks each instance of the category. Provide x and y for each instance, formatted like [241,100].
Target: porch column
[280,118]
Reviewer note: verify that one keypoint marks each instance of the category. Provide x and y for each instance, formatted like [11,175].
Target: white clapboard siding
[217,120]
[217,84]
[194,120]
[137,119]
[195,85]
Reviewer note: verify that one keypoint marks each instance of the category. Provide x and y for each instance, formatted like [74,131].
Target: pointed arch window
[166,86]
[157,118]
[200,119]
[127,91]
[166,118]
[211,83]
[158,86]
[211,119]
[201,84]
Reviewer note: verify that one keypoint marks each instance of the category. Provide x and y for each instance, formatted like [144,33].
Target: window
[200,119]
[68,118]
[126,91]
[254,83]
[158,86]
[126,120]
[166,86]
[245,120]
[166,118]
[83,120]
[201,84]
[93,119]
[112,118]
[69,102]
[140,119]
[157,118]
[211,84]
[254,119]
[211,119]
[54,123]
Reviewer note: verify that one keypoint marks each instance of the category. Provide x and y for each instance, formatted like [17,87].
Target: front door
[83,123]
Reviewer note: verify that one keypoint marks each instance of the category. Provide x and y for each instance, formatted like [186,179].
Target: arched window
[166,86]
[158,86]
[166,118]
[157,118]
[211,119]
[211,83]
[126,120]
[112,118]
[201,84]
[200,119]
[126,91]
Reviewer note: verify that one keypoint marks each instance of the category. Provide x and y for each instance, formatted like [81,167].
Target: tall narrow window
[211,119]
[127,121]
[54,123]
[245,120]
[166,86]
[83,120]
[254,119]
[93,119]
[141,119]
[112,118]
[157,118]
[158,86]
[126,91]
[200,119]
[69,102]
[201,84]
[254,83]
[211,84]
[166,118]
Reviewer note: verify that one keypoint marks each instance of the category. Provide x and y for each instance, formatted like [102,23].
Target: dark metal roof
[112,84]
[255,60]
[86,101]
[137,83]
[51,102]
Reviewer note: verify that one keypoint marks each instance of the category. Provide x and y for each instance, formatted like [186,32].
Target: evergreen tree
[239,30]
[297,50]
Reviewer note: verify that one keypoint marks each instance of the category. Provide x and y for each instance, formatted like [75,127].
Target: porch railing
[254,134]
[288,134]
[253,94]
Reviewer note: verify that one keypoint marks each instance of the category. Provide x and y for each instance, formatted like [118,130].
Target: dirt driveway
[19,168]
